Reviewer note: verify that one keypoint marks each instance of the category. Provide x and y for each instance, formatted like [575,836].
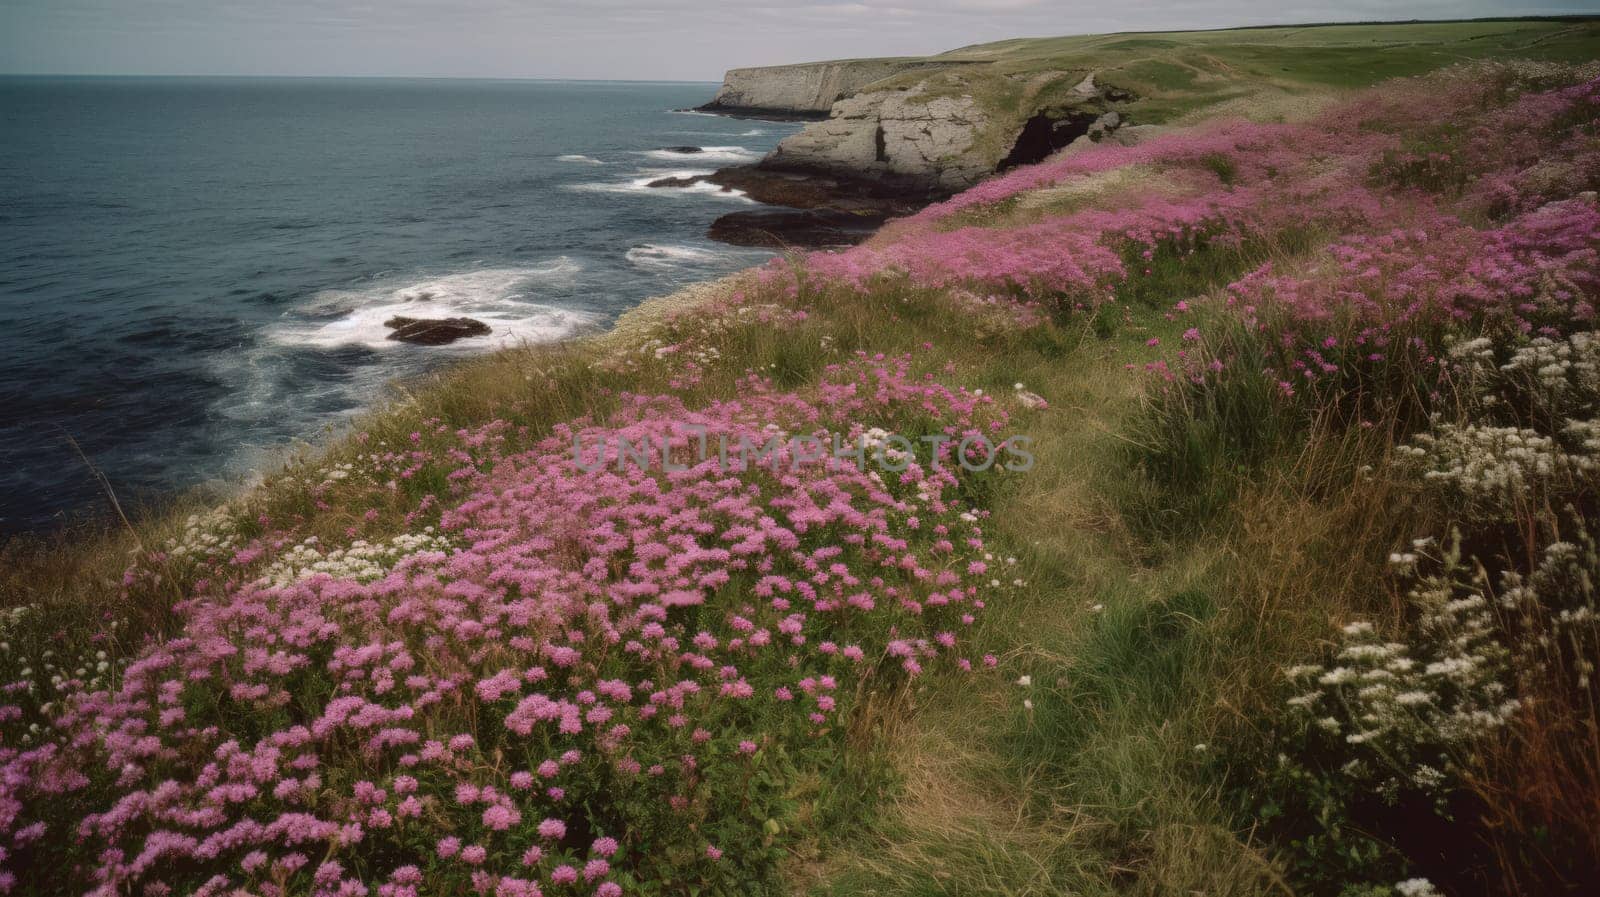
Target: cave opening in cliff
[1045,133]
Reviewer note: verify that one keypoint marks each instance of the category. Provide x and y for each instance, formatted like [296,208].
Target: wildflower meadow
[1299,597]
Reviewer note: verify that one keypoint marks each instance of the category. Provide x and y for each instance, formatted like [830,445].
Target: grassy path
[1072,760]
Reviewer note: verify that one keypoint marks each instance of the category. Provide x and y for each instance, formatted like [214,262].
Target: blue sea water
[194,272]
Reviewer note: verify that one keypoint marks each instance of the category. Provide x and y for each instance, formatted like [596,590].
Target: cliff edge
[806,91]
[925,127]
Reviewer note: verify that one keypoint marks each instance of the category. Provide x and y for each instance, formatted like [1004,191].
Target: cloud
[678,39]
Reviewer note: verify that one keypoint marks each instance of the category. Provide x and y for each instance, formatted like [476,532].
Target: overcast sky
[630,39]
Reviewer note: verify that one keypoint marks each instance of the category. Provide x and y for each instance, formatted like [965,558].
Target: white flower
[1416,887]
[1025,681]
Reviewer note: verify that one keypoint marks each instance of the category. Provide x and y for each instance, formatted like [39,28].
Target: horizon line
[261,77]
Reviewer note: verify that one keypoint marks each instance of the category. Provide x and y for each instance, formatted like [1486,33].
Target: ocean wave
[579,157]
[714,154]
[653,255]
[641,181]
[503,298]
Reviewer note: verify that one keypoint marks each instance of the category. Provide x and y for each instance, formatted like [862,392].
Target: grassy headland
[1299,595]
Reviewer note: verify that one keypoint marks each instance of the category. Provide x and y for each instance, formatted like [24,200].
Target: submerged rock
[680,182]
[434,331]
[683,150]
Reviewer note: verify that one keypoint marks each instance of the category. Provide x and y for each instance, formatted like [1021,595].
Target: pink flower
[501,817]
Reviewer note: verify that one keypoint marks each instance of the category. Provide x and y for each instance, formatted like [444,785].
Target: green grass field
[1258,73]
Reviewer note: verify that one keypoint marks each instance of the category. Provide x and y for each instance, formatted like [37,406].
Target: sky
[688,40]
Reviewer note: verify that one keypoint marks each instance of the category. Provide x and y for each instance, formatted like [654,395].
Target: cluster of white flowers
[1416,887]
[1563,592]
[1406,710]
[1561,376]
[1534,427]
[338,473]
[362,561]
[876,441]
[1494,465]
[206,535]
[28,658]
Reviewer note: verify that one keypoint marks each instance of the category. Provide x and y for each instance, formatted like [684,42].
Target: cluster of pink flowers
[1080,257]
[516,716]
[1217,186]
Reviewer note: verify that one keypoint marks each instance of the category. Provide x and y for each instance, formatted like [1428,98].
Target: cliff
[928,126]
[808,90]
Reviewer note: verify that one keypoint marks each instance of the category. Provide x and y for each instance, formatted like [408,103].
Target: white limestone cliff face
[809,88]
[896,134]
[914,124]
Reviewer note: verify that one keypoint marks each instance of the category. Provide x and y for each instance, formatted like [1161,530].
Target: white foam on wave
[641,181]
[715,154]
[754,132]
[653,255]
[503,298]
[579,157]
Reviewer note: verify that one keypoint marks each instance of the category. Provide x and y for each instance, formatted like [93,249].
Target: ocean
[194,272]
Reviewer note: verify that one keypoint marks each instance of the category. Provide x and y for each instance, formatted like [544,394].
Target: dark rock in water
[675,182]
[796,228]
[759,113]
[800,188]
[434,331]
[685,150]
[824,208]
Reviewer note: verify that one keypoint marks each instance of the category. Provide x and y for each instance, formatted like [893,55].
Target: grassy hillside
[1260,73]
[1298,594]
